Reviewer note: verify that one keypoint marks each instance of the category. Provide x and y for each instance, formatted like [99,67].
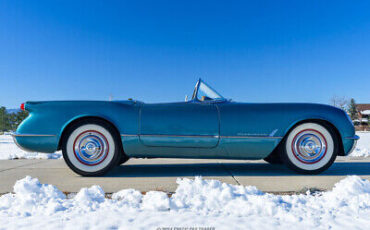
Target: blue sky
[252,51]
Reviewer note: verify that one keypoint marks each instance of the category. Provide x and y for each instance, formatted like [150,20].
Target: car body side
[224,129]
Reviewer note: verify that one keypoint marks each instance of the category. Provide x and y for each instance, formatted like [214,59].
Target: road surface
[161,174]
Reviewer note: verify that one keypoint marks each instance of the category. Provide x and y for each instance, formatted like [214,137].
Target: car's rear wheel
[91,147]
[310,148]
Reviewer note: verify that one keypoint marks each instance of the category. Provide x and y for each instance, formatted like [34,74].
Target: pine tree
[4,119]
[18,118]
[352,109]
[10,121]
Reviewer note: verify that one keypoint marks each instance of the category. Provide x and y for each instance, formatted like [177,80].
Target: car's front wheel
[91,147]
[310,148]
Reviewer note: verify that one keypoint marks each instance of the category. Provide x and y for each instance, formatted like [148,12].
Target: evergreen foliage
[10,121]
[352,109]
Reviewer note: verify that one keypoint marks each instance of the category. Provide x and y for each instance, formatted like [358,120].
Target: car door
[179,125]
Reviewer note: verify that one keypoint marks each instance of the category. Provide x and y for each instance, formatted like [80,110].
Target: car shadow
[227,169]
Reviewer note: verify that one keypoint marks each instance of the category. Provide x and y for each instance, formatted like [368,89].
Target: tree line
[10,121]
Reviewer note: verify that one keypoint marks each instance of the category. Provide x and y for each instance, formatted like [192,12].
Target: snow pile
[212,196]
[9,150]
[128,197]
[31,198]
[155,200]
[196,203]
[362,148]
[90,198]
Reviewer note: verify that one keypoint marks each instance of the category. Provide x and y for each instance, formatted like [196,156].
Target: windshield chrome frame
[195,93]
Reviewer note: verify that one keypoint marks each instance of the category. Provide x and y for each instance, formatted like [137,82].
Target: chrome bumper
[15,135]
[355,138]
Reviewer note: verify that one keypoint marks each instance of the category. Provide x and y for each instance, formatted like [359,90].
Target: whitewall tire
[91,147]
[310,148]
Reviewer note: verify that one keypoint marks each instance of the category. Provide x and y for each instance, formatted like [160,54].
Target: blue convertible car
[95,136]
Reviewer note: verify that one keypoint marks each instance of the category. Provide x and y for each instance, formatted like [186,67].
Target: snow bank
[363,145]
[196,203]
[9,150]
[155,200]
[31,198]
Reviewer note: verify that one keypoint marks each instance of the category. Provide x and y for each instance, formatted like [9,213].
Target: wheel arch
[320,121]
[87,117]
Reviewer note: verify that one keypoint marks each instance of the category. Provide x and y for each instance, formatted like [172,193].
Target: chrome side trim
[32,135]
[261,137]
[165,135]
[129,135]
[273,132]
[355,137]
[207,136]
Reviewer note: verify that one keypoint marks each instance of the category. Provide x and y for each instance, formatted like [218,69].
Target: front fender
[336,118]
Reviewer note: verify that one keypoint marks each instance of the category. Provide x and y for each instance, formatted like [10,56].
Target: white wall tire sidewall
[70,151]
[329,152]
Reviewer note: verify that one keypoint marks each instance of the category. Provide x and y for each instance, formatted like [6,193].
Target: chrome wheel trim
[322,160]
[71,148]
[309,146]
[91,147]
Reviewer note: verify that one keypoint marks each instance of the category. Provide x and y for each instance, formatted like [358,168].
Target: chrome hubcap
[309,146]
[91,147]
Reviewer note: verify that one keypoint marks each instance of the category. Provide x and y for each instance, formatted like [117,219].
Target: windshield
[204,92]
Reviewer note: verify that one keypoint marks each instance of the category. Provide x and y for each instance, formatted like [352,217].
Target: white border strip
[32,135]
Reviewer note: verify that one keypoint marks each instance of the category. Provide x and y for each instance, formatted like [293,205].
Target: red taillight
[22,106]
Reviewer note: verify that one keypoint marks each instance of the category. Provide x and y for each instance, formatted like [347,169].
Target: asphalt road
[161,174]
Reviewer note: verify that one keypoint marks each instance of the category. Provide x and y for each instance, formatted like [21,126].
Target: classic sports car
[95,136]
